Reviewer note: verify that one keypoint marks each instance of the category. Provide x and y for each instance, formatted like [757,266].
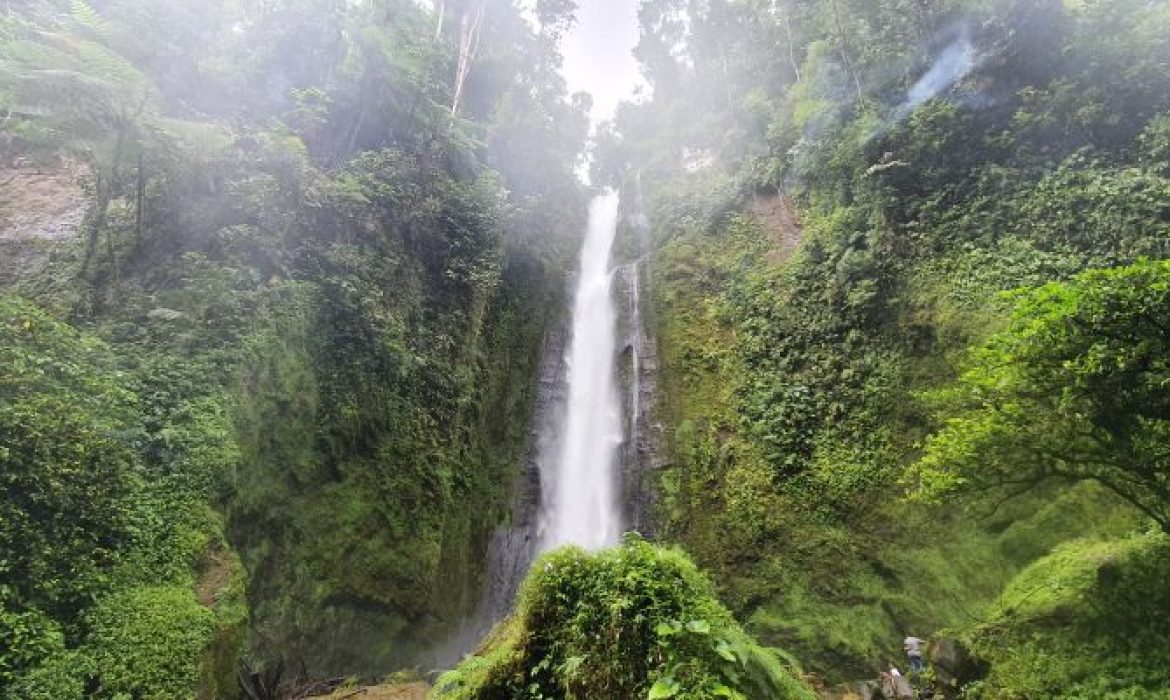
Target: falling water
[579,500]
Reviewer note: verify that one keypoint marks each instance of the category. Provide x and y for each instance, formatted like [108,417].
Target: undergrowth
[636,621]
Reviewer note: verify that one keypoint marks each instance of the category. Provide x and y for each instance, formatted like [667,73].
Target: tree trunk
[468,47]
[843,47]
[791,46]
[139,202]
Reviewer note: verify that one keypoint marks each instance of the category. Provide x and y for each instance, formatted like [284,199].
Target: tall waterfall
[580,502]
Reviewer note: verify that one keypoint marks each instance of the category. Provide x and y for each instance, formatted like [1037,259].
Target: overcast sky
[597,53]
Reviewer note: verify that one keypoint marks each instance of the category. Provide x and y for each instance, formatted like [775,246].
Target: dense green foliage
[1074,387]
[149,641]
[931,156]
[319,246]
[103,544]
[819,561]
[632,622]
[67,476]
[293,341]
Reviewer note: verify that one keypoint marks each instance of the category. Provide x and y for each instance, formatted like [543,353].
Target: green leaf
[664,688]
[699,626]
[724,649]
[667,629]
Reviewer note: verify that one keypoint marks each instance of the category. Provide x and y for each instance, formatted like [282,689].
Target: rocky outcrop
[642,451]
[513,546]
[41,208]
[778,216]
[953,665]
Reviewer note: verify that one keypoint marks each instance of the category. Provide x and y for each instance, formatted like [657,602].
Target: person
[913,647]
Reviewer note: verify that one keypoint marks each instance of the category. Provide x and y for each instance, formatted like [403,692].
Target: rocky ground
[400,691]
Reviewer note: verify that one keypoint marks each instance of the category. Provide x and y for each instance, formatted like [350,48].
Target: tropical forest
[584,349]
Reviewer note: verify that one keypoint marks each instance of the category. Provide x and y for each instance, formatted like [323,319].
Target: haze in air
[324,371]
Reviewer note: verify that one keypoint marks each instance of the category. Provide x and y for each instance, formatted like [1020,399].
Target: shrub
[635,621]
[147,641]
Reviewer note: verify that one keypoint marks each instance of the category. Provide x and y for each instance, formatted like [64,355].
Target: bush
[147,641]
[635,621]
[66,469]
[26,637]
[63,676]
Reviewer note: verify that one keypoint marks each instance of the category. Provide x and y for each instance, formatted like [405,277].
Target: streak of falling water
[579,501]
[635,342]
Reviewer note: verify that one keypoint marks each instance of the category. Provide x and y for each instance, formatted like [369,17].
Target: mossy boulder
[637,621]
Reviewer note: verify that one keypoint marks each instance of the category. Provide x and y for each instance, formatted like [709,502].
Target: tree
[1074,388]
[556,18]
[66,90]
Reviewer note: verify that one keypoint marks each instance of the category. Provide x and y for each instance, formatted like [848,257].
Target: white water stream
[579,500]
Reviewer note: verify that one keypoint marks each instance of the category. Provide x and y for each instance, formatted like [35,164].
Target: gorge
[321,367]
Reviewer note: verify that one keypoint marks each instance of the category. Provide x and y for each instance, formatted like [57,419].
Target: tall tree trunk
[139,202]
[846,52]
[791,45]
[468,47]
[104,182]
[97,222]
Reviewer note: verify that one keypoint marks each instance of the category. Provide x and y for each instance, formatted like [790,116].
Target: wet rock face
[41,208]
[953,665]
[642,451]
[513,547]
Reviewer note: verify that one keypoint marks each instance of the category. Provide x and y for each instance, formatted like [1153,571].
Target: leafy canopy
[1074,388]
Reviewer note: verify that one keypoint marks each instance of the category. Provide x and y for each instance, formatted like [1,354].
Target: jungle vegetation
[297,330]
[910,290]
[908,280]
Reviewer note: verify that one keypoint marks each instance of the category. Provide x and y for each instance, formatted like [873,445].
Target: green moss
[634,621]
[380,439]
[147,642]
[1086,621]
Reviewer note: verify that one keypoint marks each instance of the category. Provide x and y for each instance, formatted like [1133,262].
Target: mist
[951,65]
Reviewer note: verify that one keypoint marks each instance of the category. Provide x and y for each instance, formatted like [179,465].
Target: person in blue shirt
[913,647]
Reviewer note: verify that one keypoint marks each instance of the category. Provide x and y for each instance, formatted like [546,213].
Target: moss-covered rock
[634,621]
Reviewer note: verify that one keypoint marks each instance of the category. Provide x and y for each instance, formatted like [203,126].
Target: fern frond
[93,57]
[85,16]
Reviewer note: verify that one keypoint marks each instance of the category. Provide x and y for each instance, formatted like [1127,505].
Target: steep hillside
[283,320]
[927,156]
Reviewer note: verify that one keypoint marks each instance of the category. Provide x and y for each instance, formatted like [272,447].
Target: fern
[88,18]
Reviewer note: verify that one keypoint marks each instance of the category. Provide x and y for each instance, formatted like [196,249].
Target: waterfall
[579,500]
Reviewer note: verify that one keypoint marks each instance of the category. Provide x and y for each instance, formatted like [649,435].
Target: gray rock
[161,314]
